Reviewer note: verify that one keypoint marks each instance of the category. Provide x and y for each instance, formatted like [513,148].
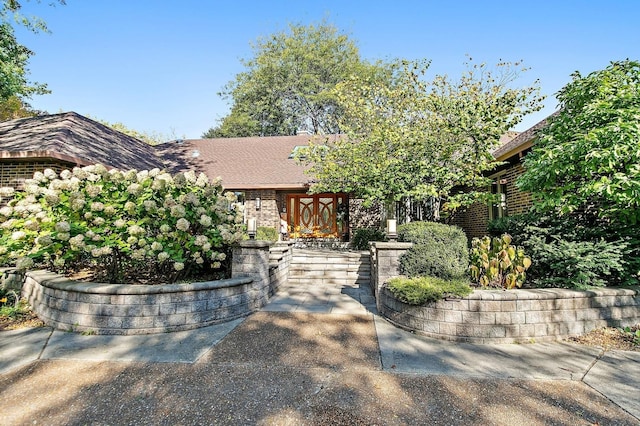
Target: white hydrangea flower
[190,176]
[50,174]
[44,240]
[24,263]
[165,229]
[77,241]
[97,206]
[78,204]
[136,230]
[192,199]
[134,189]
[65,174]
[206,247]
[199,261]
[129,207]
[200,240]
[63,236]
[230,197]
[142,242]
[63,226]
[18,235]
[131,174]
[3,250]
[88,215]
[183,224]
[93,190]
[139,254]
[205,220]
[202,180]
[58,262]
[178,210]
[31,225]
[98,221]
[132,240]
[142,175]
[216,265]
[6,211]
[154,172]
[120,223]
[7,191]
[39,177]
[222,256]
[116,175]
[156,246]
[178,266]
[162,256]
[109,210]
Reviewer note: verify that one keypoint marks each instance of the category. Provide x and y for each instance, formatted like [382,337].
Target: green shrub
[423,290]
[362,237]
[265,233]
[438,250]
[496,263]
[578,264]
[125,226]
[575,251]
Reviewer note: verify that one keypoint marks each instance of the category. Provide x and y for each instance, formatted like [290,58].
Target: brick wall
[517,201]
[14,173]
[269,213]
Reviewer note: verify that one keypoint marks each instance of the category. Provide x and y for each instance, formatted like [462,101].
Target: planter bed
[138,309]
[516,316]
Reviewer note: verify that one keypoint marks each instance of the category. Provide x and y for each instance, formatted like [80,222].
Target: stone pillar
[385,262]
[250,258]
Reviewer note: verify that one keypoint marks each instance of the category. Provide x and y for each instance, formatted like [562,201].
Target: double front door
[316,216]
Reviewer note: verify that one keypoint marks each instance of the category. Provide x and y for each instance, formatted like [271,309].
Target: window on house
[498,207]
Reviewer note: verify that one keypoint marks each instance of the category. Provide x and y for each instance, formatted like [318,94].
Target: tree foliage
[14,57]
[287,85]
[587,158]
[407,136]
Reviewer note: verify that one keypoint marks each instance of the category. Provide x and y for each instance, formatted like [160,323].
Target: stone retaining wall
[144,309]
[135,309]
[516,316]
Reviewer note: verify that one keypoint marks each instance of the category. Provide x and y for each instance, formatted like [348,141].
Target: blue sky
[157,66]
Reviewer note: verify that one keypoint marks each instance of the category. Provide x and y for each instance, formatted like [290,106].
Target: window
[498,208]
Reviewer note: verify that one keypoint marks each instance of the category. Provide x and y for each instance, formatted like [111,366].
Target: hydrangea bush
[125,225]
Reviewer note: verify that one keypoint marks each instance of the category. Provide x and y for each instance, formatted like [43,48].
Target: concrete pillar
[385,262]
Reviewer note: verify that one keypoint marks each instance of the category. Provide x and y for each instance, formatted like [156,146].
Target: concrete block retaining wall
[516,316]
[143,309]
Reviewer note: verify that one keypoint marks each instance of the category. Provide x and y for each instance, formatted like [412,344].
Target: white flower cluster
[147,215]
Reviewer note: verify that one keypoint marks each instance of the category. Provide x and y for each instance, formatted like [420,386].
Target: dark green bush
[438,250]
[362,237]
[265,233]
[422,290]
[575,251]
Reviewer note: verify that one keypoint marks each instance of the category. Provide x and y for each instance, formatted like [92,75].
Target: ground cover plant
[127,226]
[423,290]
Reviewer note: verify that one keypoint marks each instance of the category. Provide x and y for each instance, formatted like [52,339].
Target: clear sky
[157,65]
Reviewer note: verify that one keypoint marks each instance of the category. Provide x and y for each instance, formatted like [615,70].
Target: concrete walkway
[613,374]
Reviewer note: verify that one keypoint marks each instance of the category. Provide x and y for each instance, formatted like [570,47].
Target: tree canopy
[14,57]
[587,157]
[419,138]
[287,85]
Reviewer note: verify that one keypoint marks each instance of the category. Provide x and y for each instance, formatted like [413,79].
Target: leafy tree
[14,107]
[287,85]
[587,158]
[151,138]
[14,57]
[418,138]
[237,124]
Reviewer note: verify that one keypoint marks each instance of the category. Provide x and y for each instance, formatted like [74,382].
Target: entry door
[314,215]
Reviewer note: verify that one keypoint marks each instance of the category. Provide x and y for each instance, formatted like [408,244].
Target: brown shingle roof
[242,163]
[74,138]
[520,142]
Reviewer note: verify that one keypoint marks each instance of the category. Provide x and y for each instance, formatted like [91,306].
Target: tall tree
[587,158]
[287,85]
[418,138]
[14,57]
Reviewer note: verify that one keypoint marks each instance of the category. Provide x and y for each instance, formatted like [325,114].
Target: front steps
[330,267]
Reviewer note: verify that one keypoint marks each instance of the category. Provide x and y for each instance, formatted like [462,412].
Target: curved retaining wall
[516,316]
[139,309]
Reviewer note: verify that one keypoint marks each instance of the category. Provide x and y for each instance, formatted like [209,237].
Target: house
[262,171]
[63,141]
[475,219]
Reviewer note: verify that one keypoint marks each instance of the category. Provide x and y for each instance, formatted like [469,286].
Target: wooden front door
[316,216]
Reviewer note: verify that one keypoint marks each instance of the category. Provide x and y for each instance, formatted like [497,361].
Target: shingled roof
[74,138]
[521,142]
[242,163]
